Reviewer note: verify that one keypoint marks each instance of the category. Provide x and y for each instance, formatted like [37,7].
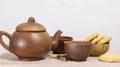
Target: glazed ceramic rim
[77,43]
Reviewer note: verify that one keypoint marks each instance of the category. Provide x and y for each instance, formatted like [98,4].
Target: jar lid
[31,26]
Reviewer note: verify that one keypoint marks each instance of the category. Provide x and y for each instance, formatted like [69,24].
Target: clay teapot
[30,41]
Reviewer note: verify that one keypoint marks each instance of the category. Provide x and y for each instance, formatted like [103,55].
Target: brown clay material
[77,50]
[1,40]
[30,45]
[31,25]
[56,39]
[60,48]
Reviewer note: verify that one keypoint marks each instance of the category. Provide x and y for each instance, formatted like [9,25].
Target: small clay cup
[77,50]
[60,49]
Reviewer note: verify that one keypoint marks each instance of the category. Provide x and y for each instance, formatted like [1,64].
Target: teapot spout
[55,39]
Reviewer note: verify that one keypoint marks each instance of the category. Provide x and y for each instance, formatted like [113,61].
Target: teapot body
[30,45]
[30,41]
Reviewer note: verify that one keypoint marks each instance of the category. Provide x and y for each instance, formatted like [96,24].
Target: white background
[76,18]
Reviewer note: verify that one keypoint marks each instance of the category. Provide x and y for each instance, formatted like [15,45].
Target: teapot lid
[31,25]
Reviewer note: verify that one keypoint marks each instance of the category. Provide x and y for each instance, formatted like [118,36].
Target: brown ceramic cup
[60,49]
[77,50]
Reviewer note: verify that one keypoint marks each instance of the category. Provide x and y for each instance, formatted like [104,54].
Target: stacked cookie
[100,44]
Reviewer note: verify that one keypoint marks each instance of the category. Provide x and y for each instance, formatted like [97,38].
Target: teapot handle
[2,42]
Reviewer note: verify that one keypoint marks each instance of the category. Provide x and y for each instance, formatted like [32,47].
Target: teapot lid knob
[31,26]
[31,20]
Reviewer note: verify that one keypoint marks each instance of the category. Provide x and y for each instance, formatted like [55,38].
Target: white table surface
[10,60]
